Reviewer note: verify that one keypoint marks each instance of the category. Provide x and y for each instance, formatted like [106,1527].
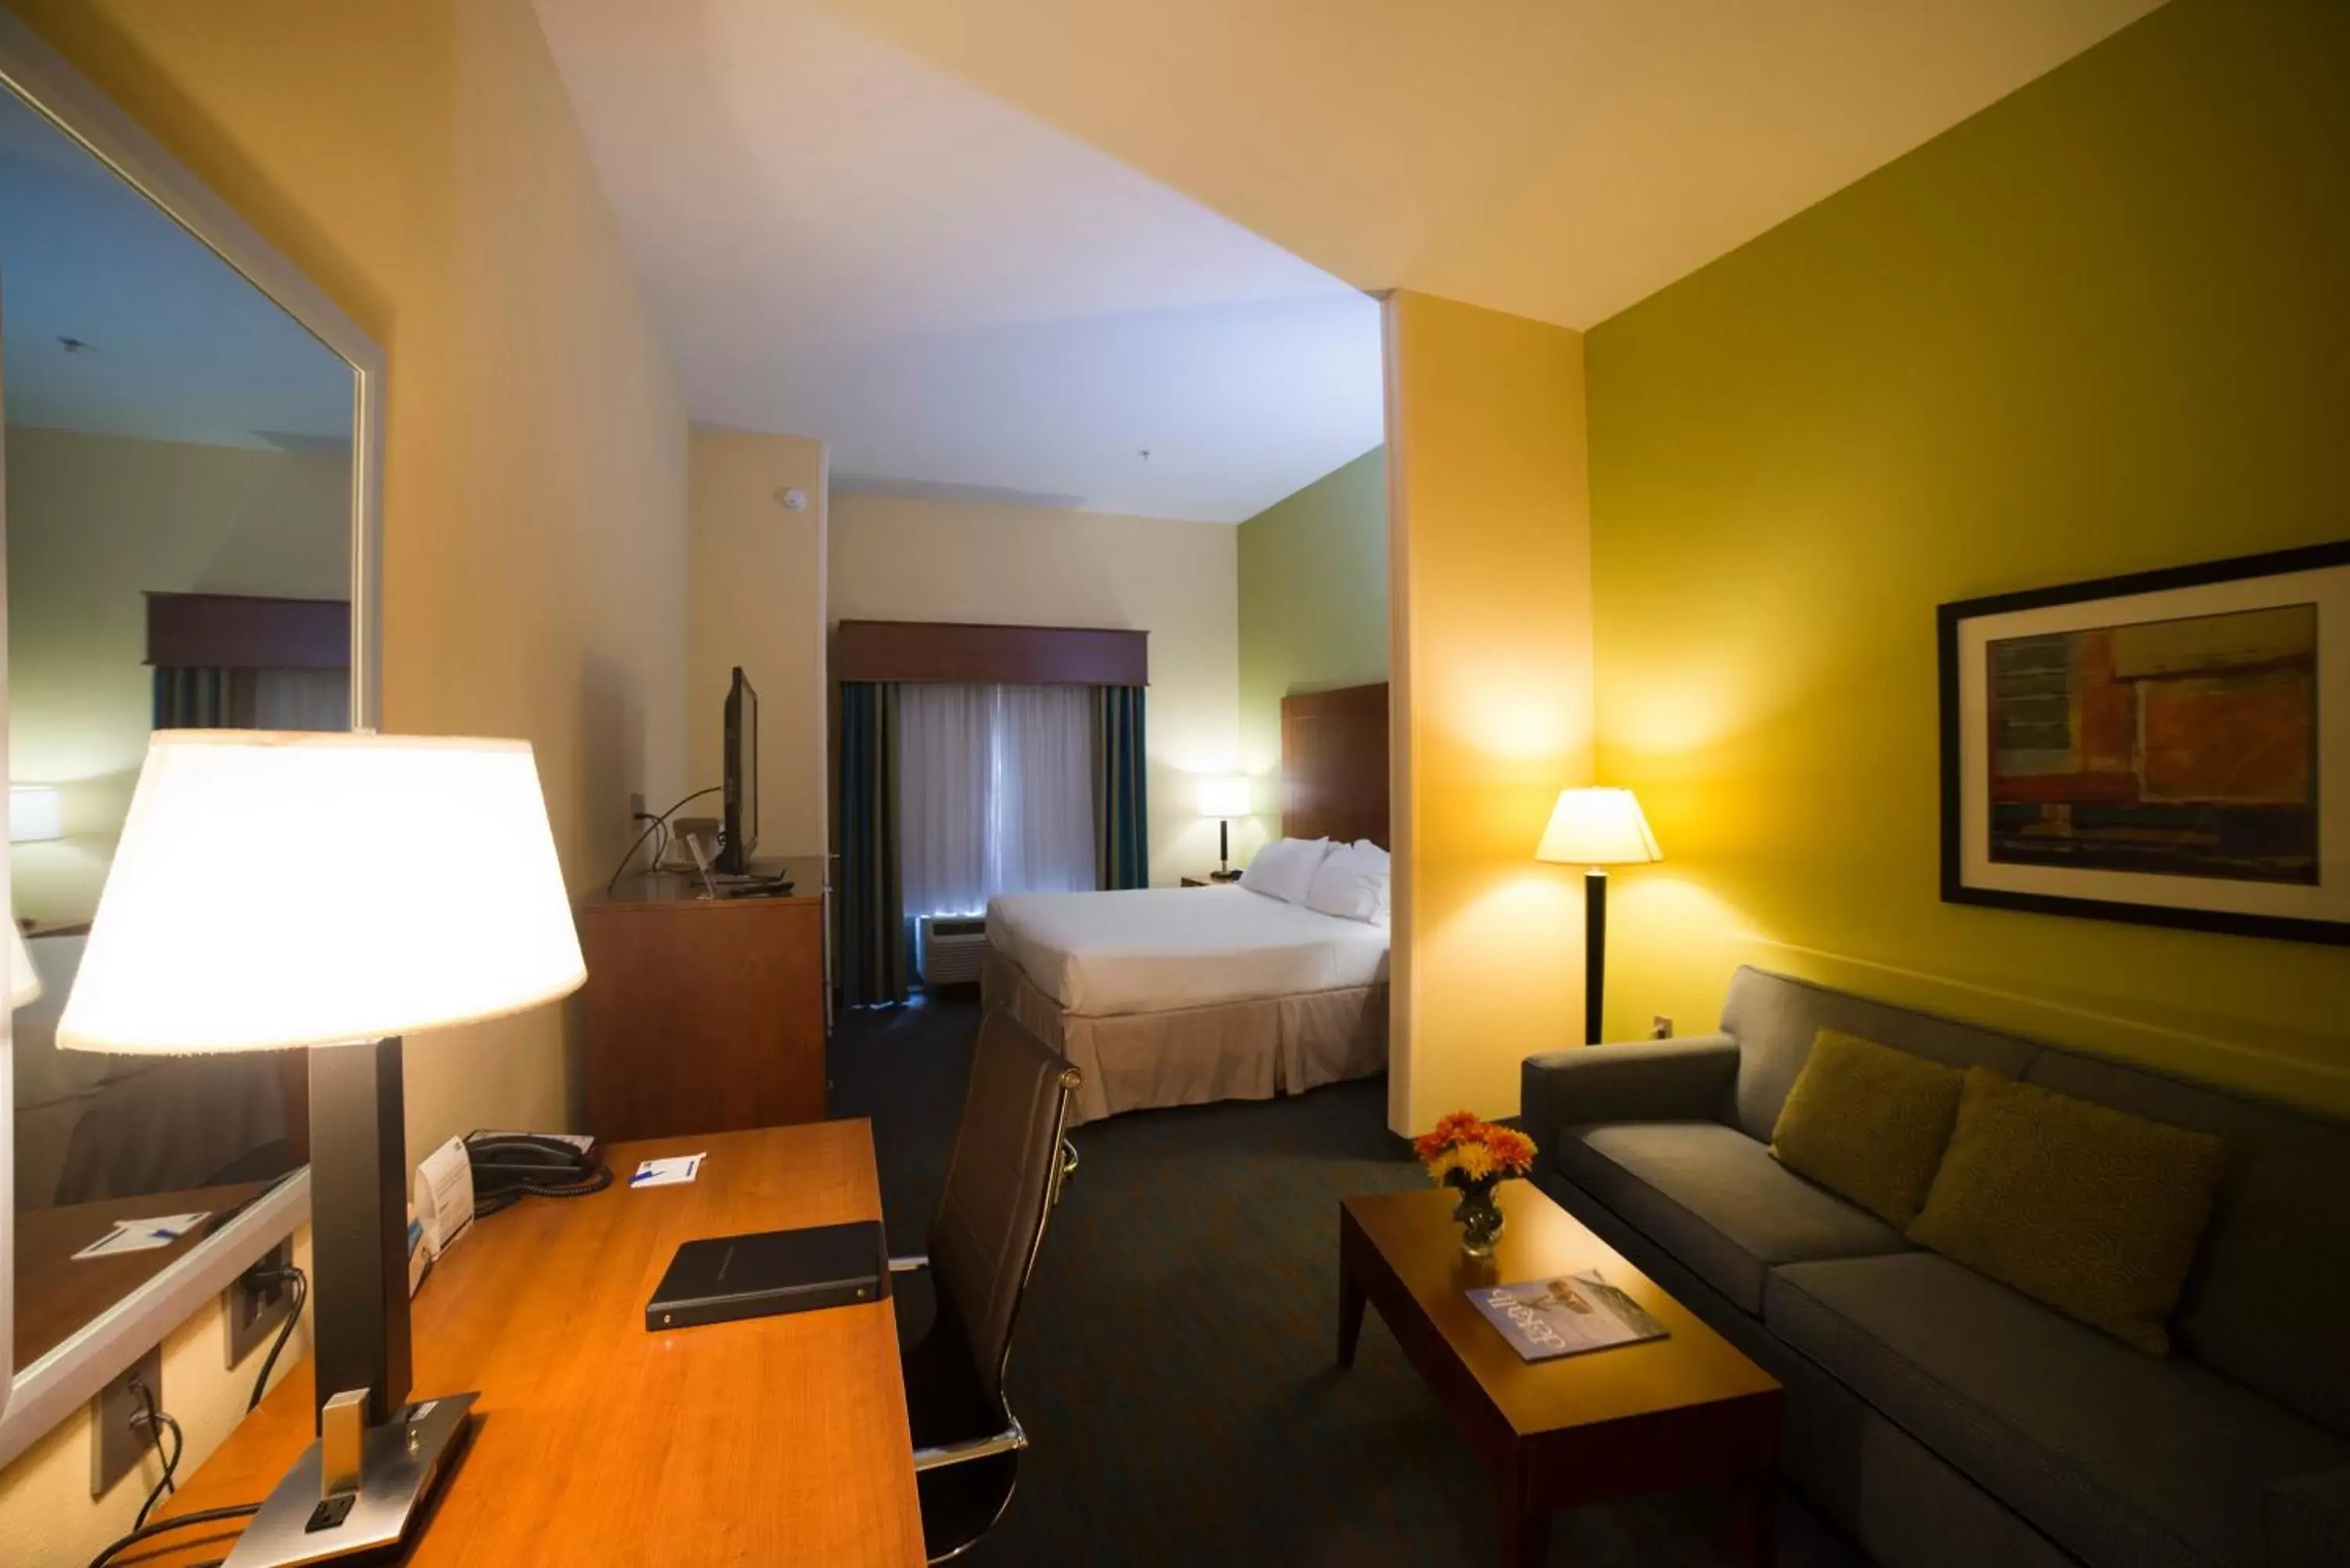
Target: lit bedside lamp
[274,891]
[1224,799]
[34,813]
[1596,828]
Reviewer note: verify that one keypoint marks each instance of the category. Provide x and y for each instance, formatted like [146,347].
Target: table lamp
[1224,799]
[1596,828]
[274,891]
[34,813]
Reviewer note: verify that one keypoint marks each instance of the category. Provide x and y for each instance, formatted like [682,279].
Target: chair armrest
[911,1263]
[1010,1440]
[2306,1522]
[1686,1080]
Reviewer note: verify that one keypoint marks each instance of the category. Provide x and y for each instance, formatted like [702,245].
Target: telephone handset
[511,1165]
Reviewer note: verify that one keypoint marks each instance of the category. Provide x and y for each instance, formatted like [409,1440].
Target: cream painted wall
[94,523]
[419,162]
[1490,529]
[895,558]
[756,598]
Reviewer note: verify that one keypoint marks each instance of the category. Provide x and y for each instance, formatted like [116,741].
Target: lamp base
[403,1462]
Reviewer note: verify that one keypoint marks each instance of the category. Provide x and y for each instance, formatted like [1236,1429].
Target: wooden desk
[775,1440]
[701,1013]
[56,1296]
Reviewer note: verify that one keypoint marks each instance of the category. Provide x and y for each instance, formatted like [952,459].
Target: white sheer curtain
[995,794]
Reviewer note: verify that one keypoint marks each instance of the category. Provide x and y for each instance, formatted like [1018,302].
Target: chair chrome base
[402,1463]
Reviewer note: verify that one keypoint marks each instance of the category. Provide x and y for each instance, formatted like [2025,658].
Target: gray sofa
[1938,1417]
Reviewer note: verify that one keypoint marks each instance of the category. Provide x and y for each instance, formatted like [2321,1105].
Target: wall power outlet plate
[1660,1027]
[119,1434]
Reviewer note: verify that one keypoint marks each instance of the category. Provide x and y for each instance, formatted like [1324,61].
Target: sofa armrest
[1686,1080]
[2306,1522]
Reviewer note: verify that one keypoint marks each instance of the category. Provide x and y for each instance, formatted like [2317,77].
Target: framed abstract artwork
[2171,747]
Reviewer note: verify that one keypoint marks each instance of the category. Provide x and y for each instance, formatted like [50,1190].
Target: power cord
[145,1532]
[301,1283]
[594,1181]
[158,1424]
[659,824]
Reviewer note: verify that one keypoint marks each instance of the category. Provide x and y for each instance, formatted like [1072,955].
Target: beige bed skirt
[1230,1051]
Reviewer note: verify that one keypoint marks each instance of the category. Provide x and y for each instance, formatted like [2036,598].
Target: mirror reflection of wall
[178,484]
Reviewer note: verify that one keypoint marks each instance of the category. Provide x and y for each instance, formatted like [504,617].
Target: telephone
[511,1165]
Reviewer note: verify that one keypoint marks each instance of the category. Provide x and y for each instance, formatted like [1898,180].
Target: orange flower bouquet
[1474,1156]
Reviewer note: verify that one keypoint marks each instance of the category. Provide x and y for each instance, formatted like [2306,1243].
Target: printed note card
[675,1171]
[141,1235]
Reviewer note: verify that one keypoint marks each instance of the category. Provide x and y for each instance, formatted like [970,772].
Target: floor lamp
[279,891]
[1596,828]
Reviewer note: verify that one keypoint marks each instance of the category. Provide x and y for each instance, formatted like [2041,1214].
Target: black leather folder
[723,1278]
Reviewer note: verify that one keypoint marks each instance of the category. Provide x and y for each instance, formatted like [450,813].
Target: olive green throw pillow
[1869,1122]
[2094,1211]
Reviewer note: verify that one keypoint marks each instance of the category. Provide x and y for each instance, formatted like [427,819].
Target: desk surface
[56,1296]
[779,1439]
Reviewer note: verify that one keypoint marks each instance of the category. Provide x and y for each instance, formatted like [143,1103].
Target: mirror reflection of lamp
[34,816]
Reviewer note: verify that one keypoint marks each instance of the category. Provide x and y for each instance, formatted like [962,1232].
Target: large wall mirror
[187,458]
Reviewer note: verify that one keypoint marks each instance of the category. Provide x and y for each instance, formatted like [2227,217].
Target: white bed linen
[1153,949]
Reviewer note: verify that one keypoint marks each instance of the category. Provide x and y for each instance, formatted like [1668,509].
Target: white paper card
[445,1195]
[141,1235]
[675,1171]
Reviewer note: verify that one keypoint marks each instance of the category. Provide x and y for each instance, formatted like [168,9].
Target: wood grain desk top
[56,1296]
[774,1440]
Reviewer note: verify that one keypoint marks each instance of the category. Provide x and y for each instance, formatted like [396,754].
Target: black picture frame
[1950,619]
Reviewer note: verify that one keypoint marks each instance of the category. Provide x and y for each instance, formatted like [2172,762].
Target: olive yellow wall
[1491,606]
[419,162]
[1313,614]
[2099,328]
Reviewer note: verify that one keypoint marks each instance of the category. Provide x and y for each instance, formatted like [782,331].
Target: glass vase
[1479,1219]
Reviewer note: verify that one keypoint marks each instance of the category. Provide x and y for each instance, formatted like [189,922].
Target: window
[995,794]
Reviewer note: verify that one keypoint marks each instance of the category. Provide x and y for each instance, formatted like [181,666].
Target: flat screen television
[739,828]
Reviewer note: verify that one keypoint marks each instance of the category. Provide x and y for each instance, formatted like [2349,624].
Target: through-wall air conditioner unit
[951,947]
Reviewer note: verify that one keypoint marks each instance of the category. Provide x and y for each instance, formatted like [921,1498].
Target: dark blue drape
[1121,805]
[873,958]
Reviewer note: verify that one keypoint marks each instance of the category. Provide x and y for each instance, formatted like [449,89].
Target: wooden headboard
[1333,764]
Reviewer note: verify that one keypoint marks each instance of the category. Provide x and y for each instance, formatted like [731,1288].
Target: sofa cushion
[1869,1122]
[1716,1200]
[1775,1020]
[2125,1460]
[2091,1209]
[2271,1289]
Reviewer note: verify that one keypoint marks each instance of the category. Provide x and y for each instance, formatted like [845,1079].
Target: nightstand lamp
[1596,828]
[1224,799]
[274,891]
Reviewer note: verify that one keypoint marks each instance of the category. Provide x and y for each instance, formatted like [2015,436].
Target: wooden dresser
[702,1014]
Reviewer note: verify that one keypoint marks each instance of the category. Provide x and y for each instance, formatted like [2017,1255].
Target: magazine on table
[1545,1319]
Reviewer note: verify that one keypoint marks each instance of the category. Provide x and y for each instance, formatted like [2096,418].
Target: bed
[1169,996]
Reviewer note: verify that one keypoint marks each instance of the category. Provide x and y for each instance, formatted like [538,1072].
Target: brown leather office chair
[1010,1159]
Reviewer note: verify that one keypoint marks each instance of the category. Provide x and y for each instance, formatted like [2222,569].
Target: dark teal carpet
[1174,1360]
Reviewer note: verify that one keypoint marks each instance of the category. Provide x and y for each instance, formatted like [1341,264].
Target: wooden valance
[951,653]
[239,631]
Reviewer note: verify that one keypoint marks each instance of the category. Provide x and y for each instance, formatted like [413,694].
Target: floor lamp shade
[273,890]
[1596,829]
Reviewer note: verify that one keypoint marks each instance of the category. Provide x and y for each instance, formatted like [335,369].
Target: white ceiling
[839,241]
[176,345]
[1000,249]
[1557,158]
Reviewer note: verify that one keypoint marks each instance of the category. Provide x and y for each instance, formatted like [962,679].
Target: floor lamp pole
[1595,951]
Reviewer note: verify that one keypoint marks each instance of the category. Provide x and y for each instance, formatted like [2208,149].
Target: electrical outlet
[1660,1027]
[254,1305]
[636,805]
[120,1435]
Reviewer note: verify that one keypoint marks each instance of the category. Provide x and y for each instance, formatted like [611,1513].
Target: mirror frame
[34,1399]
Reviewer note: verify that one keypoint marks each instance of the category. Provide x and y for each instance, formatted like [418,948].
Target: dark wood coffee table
[1686,1410]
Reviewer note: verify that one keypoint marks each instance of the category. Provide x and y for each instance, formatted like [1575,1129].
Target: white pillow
[1365,847]
[1351,884]
[1285,869]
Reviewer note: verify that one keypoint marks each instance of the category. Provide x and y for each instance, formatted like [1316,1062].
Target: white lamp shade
[273,889]
[1224,797]
[23,980]
[33,814]
[1597,827]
